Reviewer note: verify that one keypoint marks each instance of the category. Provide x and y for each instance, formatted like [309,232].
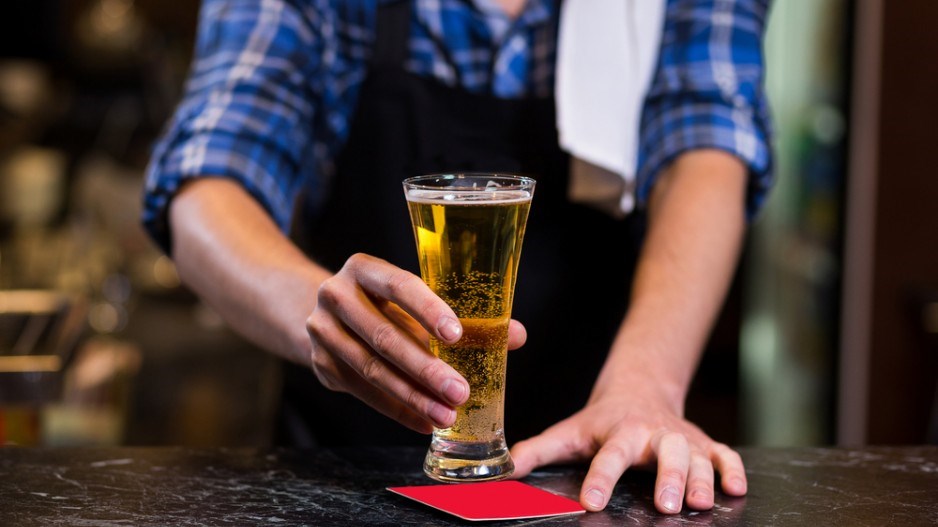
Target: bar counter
[185,486]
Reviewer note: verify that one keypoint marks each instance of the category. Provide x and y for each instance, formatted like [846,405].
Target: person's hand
[632,425]
[370,331]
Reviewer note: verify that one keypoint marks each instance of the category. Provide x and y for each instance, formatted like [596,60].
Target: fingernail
[449,329]
[595,498]
[454,391]
[441,415]
[670,499]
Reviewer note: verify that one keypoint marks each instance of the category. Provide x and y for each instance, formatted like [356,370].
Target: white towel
[607,52]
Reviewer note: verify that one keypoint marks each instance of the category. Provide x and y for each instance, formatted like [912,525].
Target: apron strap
[392,35]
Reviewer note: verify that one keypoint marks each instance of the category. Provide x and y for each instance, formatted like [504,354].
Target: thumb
[561,443]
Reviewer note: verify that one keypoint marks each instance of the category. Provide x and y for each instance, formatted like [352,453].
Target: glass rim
[515,181]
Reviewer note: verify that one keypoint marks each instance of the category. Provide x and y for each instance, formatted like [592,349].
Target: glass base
[468,461]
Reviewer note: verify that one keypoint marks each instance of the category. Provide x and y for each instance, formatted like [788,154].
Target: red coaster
[496,500]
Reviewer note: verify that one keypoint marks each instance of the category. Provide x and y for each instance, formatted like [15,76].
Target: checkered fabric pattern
[274,83]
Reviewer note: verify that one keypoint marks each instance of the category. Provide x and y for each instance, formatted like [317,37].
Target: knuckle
[399,282]
[735,457]
[372,369]
[321,366]
[616,453]
[675,440]
[622,431]
[319,357]
[580,443]
[583,445]
[328,292]
[386,338]
[699,460]
[428,309]
[414,400]
[701,485]
[673,475]
[677,437]
[433,369]
[355,261]
[315,326]
[727,454]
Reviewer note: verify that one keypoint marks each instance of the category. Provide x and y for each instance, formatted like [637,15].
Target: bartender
[276,188]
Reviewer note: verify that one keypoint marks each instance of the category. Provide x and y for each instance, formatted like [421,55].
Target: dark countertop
[183,486]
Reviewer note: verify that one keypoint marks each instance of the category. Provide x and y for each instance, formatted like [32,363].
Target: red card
[496,500]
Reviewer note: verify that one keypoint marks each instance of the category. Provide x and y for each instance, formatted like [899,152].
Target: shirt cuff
[219,154]
[671,127]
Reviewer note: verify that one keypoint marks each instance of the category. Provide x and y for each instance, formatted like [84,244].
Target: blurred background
[829,334]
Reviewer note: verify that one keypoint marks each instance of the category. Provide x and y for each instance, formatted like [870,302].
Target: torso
[571,292]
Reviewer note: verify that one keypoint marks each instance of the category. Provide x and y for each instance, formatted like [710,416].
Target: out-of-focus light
[112,26]
[116,8]
[930,317]
[104,318]
[827,123]
[116,288]
[29,363]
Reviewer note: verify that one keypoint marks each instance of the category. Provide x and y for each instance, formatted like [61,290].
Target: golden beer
[469,230]
[480,356]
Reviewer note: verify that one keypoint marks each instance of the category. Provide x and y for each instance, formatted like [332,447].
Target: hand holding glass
[469,229]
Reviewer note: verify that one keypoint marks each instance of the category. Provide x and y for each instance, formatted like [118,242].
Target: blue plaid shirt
[274,83]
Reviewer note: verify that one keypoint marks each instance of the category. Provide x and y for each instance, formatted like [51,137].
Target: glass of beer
[469,229]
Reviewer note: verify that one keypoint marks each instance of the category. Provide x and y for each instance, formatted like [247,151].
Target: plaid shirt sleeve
[708,92]
[251,105]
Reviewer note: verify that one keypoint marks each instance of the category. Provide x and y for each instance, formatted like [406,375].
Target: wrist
[299,301]
[653,369]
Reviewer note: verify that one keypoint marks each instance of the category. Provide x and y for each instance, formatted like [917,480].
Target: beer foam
[468,196]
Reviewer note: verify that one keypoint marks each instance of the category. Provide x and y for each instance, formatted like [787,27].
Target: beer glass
[469,229]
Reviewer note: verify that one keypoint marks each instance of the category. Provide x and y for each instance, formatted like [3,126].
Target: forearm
[234,257]
[695,230]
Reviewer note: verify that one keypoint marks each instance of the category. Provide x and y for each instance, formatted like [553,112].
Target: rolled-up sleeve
[708,92]
[247,112]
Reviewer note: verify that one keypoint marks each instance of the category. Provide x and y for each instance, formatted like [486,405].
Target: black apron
[576,263]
